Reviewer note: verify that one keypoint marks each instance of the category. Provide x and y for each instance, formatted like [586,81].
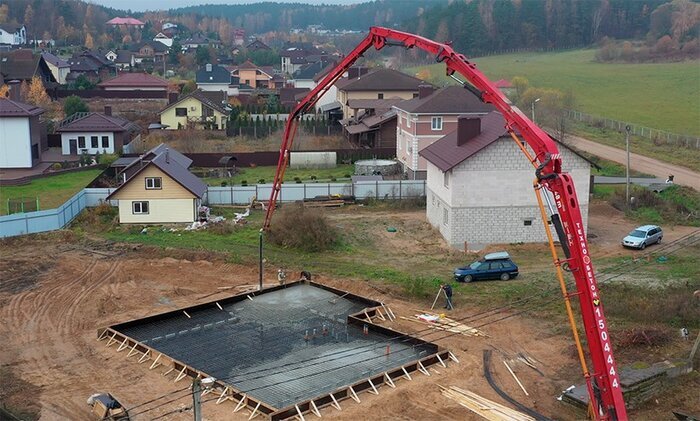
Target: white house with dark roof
[479,185]
[94,133]
[20,134]
[158,188]
[59,67]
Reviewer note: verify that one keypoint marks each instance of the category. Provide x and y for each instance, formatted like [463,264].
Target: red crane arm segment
[604,383]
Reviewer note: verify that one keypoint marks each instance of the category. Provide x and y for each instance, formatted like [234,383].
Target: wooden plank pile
[446,324]
[483,407]
[331,201]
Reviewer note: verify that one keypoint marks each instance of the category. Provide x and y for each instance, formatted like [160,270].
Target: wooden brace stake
[387,380]
[123,345]
[516,378]
[168,372]
[335,403]
[314,409]
[249,297]
[353,394]
[369,319]
[374,389]
[301,416]
[422,369]
[380,314]
[131,351]
[144,357]
[393,316]
[155,362]
[181,375]
[255,411]
[103,335]
[240,404]
[109,342]
[408,376]
[452,357]
[223,396]
[219,305]
[188,316]
[441,361]
[386,310]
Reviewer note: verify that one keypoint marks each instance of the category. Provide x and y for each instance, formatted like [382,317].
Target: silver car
[643,236]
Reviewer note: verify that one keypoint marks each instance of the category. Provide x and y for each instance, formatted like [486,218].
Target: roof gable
[201,97]
[135,80]
[381,80]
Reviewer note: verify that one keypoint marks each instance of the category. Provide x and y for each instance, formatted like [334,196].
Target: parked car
[643,236]
[492,266]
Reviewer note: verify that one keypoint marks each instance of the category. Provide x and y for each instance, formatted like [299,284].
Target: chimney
[108,110]
[172,97]
[425,90]
[467,128]
[208,67]
[14,90]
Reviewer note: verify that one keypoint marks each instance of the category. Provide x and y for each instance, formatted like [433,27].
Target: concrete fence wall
[54,219]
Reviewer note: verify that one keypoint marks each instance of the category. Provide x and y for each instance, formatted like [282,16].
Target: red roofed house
[93,133]
[126,22]
[135,82]
[505,86]
[21,140]
[479,185]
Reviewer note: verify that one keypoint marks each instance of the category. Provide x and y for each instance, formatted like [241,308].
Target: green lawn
[659,95]
[52,191]
[253,175]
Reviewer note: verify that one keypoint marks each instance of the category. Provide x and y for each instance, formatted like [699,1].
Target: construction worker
[281,276]
[447,289]
[305,276]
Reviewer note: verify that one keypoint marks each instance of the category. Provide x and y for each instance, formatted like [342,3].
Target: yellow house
[158,189]
[377,84]
[254,76]
[195,110]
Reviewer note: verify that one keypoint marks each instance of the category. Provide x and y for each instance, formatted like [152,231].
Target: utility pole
[197,399]
[627,170]
[532,106]
[260,257]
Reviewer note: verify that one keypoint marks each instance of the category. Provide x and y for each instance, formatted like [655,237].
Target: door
[73,146]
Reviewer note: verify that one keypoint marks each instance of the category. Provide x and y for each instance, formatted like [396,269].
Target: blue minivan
[492,266]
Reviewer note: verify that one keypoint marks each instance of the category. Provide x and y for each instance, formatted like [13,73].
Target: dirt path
[644,164]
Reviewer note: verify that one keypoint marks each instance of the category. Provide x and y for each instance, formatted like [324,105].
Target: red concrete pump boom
[603,383]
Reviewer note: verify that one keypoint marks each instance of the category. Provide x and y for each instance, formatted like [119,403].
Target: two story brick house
[427,118]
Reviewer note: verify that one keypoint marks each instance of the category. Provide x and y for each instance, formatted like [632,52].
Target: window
[154,183]
[445,217]
[181,112]
[380,96]
[81,142]
[105,142]
[446,178]
[436,123]
[35,152]
[408,121]
[94,142]
[527,222]
[139,208]
[496,265]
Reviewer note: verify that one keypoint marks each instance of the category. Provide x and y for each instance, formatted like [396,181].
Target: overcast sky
[141,5]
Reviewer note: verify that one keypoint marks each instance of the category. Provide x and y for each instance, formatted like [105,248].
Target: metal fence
[655,135]
[54,219]
[380,190]
[51,219]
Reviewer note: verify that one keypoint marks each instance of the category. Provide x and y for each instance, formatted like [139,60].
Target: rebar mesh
[282,347]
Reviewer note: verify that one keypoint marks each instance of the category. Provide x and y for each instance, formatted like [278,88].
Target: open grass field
[52,191]
[659,95]
[252,175]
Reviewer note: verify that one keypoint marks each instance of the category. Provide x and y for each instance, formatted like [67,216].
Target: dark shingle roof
[448,100]
[200,96]
[10,108]
[171,162]
[312,69]
[90,122]
[218,74]
[446,154]
[24,65]
[381,80]
[52,59]
[371,104]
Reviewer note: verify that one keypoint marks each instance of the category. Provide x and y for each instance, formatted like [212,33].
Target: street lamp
[533,108]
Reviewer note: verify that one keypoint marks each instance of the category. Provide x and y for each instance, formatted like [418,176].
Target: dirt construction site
[76,320]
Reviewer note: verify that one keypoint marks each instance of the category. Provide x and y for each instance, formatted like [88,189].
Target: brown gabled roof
[10,108]
[90,122]
[201,97]
[447,100]
[446,154]
[173,167]
[381,80]
[134,80]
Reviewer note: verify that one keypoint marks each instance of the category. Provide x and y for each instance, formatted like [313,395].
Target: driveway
[683,176]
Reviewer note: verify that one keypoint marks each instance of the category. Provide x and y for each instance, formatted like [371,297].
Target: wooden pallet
[325,204]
